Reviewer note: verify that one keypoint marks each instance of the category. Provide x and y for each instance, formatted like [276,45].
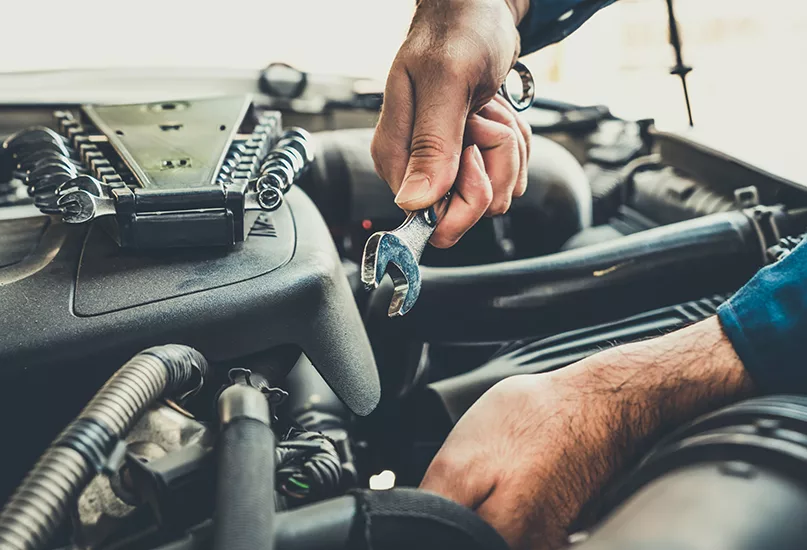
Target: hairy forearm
[660,383]
[536,448]
[640,391]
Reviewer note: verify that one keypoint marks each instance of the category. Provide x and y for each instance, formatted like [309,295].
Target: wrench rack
[161,175]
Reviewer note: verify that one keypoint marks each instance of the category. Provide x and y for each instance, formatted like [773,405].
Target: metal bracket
[763,219]
[746,197]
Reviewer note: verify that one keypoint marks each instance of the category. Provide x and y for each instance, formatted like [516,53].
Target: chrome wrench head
[79,206]
[525,99]
[386,253]
[398,252]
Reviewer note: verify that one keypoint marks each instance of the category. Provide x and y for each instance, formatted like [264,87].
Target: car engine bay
[257,390]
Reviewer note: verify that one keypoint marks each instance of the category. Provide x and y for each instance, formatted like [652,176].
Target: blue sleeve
[766,322]
[549,21]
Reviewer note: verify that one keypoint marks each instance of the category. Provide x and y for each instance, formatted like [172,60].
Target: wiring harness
[308,466]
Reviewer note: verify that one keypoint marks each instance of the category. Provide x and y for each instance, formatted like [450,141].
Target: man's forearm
[755,343]
[536,448]
[642,390]
[665,381]
[620,401]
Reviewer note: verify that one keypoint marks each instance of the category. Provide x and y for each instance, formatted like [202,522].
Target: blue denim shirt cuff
[766,322]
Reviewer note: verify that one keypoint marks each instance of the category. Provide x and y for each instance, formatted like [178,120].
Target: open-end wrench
[398,252]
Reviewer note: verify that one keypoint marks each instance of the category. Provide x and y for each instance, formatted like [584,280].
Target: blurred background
[747,54]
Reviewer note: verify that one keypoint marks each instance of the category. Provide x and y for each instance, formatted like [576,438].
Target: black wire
[308,466]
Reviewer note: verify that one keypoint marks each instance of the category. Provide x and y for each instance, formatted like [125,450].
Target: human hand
[442,123]
[535,448]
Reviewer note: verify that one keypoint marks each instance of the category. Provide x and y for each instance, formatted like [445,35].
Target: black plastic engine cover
[151,276]
[79,301]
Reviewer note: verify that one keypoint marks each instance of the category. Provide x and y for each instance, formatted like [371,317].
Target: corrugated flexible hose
[39,505]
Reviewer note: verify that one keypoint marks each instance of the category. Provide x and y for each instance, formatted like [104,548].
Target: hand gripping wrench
[398,252]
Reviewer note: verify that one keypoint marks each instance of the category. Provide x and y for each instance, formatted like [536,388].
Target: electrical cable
[308,466]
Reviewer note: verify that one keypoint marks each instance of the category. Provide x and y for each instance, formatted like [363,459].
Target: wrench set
[50,163]
[161,175]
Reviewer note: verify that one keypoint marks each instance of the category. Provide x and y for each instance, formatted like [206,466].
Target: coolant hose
[245,505]
[581,287]
[41,502]
[396,519]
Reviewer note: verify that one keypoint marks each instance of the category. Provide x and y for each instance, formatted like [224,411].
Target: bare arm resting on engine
[535,448]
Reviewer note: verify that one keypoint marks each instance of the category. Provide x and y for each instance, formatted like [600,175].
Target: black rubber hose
[40,503]
[245,506]
[446,400]
[581,287]
[546,295]
[325,525]
[397,519]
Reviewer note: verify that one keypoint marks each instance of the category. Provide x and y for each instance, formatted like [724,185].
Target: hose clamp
[240,401]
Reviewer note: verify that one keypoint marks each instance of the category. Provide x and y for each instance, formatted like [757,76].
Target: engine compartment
[625,232]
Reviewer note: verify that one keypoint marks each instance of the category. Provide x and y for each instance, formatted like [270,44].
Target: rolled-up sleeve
[549,21]
[766,322]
